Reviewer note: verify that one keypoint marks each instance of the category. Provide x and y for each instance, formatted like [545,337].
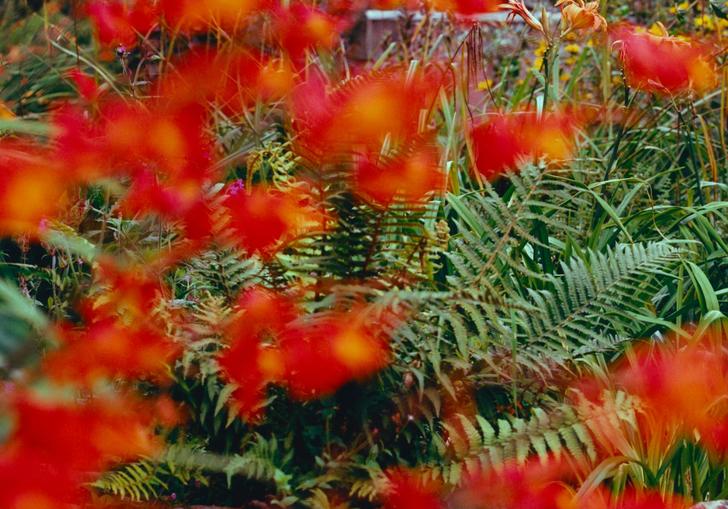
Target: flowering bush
[251,256]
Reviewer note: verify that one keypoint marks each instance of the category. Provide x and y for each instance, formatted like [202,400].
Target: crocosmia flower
[503,141]
[411,175]
[662,64]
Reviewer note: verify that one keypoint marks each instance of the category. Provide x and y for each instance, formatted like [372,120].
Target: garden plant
[408,254]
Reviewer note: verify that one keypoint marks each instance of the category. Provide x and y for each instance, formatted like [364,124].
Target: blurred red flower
[664,65]
[409,489]
[300,27]
[504,141]
[253,359]
[80,438]
[342,341]
[360,114]
[30,483]
[121,22]
[32,188]
[262,220]
[410,175]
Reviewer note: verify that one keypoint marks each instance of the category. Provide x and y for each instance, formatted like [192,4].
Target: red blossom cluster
[662,64]
[56,447]
[271,341]
[503,141]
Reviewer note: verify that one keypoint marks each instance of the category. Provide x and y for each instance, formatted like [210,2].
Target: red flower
[85,84]
[662,64]
[108,349]
[201,15]
[348,347]
[465,7]
[80,438]
[502,142]
[119,22]
[411,175]
[30,483]
[408,489]
[262,220]
[253,359]
[530,486]
[362,113]
[32,188]
[300,27]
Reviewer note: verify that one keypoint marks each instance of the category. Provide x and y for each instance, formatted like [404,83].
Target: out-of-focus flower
[121,22]
[253,359]
[202,15]
[29,483]
[109,349]
[234,80]
[409,489]
[79,438]
[362,113]
[342,341]
[262,220]
[581,15]
[530,486]
[662,64]
[504,141]
[85,84]
[411,175]
[465,7]
[683,387]
[300,27]
[32,188]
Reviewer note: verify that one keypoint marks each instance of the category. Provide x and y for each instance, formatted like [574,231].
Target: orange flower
[580,15]
[410,175]
[32,188]
[662,64]
[504,141]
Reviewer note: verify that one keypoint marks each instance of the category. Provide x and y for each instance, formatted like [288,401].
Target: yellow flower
[485,85]
[572,48]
